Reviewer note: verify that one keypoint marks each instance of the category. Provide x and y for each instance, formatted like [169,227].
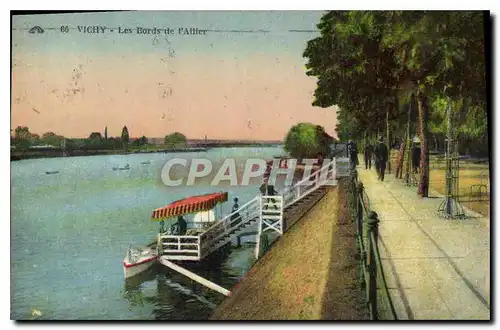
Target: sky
[244,78]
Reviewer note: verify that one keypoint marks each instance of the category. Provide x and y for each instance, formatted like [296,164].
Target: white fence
[176,247]
[342,167]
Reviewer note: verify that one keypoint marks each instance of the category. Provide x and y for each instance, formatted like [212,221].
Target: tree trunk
[423,111]
[388,142]
[407,143]
[364,140]
[399,167]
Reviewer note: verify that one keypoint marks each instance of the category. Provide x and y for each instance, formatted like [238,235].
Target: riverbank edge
[57,153]
[340,299]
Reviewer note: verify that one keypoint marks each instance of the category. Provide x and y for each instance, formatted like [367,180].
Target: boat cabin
[183,223]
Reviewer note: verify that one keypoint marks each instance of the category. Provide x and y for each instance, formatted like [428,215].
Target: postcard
[250,165]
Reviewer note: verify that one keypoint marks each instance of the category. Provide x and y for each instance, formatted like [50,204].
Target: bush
[306,140]
[175,140]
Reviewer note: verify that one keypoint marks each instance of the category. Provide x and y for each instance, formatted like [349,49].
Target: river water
[70,232]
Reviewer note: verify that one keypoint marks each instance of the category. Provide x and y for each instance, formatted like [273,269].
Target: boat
[138,260]
[51,172]
[201,207]
[126,167]
[147,162]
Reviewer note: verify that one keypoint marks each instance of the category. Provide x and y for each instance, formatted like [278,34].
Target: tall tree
[125,137]
[431,49]
[106,133]
[366,61]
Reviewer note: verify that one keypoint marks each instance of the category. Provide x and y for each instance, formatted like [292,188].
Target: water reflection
[172,296]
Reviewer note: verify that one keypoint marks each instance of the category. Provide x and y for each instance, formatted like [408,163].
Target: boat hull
[133,269]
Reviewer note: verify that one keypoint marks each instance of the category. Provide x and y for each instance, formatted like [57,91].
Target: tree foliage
[24,139]
[306,140]
[140,141]
[369,63]
[175,140]
[125,136]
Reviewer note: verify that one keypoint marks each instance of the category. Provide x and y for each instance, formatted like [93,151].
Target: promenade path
[435,268]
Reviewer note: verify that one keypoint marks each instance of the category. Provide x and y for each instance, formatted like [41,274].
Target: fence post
[159,245]
[359,208]
[199,248]
[359,232]
[282,228]
[372,266]
[352,187]
[354,174]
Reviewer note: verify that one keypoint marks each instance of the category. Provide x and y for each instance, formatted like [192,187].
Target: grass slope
[309,274]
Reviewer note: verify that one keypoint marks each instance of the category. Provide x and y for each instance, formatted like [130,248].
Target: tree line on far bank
[23,139]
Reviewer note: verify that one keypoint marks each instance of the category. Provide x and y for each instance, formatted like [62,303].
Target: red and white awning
[188,205]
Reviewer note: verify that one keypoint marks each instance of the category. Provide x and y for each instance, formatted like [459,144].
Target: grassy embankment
[309,274]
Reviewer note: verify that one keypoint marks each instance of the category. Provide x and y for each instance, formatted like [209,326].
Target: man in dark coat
[381,157]
[353,154]
[235,217]
[182,225]
[415,155]
[368,156]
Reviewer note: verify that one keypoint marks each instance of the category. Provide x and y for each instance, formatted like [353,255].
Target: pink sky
[254,97]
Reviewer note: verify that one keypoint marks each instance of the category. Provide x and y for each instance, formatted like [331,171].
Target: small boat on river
[51,172]
[126,167]
[138,260]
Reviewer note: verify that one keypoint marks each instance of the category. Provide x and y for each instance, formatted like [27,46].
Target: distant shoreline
[56,153]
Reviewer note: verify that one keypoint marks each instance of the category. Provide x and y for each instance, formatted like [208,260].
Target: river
[70,232]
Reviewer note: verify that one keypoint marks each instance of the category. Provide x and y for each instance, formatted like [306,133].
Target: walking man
[381,157]
[353,154]
[415,155]
[368,156]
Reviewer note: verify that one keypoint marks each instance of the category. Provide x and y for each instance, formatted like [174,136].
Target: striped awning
[188,205]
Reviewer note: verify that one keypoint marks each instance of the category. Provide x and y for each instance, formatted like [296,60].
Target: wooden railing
[176,247]
[217,235]
[373,281]
[309,184]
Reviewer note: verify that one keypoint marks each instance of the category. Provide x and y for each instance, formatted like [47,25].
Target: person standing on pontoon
[235,217]
[272,192]
[181,226]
